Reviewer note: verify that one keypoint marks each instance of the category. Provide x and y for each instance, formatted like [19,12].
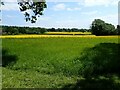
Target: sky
[64,13]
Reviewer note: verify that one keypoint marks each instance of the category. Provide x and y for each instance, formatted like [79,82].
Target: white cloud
[10,16]
[63,0]
[115,3]
[62,6]
[44,18]
[59,7]
[10,6]
[9,0]
[96,2]
[91,3]
[112,18]
[73,9]
[90,13]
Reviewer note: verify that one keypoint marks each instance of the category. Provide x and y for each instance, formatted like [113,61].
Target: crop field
[56,36]
[68,33]
[60,62]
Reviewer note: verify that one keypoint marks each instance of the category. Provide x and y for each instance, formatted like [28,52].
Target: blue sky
[64,14]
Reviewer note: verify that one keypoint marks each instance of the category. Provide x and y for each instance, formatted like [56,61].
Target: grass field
[54,62]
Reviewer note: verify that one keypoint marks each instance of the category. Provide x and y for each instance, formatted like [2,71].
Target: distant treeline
[15,30]
[96,30]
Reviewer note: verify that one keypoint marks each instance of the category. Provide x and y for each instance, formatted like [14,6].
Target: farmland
[68,33]
[54,62]
[67,45]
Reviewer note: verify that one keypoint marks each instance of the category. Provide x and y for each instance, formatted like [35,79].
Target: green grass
[45,62]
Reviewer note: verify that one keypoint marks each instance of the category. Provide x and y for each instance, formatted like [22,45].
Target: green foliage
[37,7]
[14,30]
[43,30]
[1,3]
[45,60]
[99,27]
[118,29]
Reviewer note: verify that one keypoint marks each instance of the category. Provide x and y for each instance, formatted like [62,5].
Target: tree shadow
[100,61]
[8,59]
[96,84]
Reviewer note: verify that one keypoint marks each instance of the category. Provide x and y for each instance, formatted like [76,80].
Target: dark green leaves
[2,3]
[37,9]
[100,27]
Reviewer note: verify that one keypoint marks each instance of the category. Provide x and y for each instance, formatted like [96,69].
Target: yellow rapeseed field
[47,36]
[73,33]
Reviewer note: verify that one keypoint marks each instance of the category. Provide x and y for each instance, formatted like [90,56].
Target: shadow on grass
[100,61]
[8,59]
[94,84]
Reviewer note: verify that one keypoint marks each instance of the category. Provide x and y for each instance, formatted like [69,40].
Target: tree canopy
[36,6]
[100,27]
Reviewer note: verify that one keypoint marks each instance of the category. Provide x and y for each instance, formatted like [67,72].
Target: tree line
[98,27]
[15,30]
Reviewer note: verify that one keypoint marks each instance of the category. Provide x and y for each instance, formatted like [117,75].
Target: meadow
[60,62]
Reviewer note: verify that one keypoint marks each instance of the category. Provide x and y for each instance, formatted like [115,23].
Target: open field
[54,62]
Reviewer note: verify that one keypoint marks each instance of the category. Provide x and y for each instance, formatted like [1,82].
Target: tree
[43,30]
[99,27]
[36,6]
[109,29]
[118,29]
[14,31]
[52,30]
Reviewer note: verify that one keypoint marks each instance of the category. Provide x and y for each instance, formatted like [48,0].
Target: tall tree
[99,27]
